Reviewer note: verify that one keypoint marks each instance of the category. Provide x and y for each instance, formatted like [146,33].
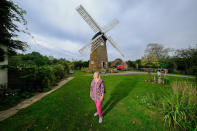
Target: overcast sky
[60,31]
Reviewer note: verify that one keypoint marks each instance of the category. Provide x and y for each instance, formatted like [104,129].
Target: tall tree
[10,17]
[158,50]
[186,59]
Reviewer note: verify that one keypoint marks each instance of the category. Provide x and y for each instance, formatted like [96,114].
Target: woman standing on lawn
[97,94]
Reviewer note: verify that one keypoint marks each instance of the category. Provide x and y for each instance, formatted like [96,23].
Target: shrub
[44,77]
[59,71]
[194,70]
[66,67]
[27,77]
[180,108]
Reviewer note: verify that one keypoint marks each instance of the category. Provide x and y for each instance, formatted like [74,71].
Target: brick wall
[98,56]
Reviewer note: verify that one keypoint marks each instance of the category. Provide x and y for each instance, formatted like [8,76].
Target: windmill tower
[98,49]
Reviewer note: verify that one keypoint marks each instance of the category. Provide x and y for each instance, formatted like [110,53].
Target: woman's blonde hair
[96,73]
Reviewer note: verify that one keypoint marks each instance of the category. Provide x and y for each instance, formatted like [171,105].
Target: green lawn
[70,107]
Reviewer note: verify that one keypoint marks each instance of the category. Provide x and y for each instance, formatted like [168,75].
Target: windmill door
[103,64]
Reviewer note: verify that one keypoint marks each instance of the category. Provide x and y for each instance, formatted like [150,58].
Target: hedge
[34,78]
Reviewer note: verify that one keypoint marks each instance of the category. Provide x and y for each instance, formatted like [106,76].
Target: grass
[70,107]
[79,73]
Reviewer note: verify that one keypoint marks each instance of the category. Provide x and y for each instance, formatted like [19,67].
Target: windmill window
[92,62]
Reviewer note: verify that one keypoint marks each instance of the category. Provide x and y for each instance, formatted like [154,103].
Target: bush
[59,71]
[45,77]
[180,109]
[27,76]
[66,67]
[194,70]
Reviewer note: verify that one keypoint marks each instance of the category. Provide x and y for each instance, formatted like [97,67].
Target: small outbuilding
[118,62]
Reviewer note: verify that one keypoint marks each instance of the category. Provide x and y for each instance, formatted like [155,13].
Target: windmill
[98,49]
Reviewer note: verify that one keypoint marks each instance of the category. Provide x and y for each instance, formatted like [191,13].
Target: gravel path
[9,112]
[138,73]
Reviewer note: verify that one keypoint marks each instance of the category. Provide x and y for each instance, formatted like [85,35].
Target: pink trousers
[98,107]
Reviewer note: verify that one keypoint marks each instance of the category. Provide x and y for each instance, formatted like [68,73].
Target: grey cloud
[171,23]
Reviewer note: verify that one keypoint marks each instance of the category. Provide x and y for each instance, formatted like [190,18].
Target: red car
[120,67]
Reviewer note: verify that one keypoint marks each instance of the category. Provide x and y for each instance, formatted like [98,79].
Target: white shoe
[96,113]
[100,119]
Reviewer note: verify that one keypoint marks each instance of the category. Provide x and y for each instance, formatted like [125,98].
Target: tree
[36,58]
[10,16]
[15,61]
[2,54]
[150,60]
[66,66]
[79,64]
[186,59]
[158,50]
[171,64]
[118,59]
[138,62]
[131,63]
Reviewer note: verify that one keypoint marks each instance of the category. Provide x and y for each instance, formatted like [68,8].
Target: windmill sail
[113,43]
[89,20]
[91,43]
[111,25]
[96,44]
[98,41]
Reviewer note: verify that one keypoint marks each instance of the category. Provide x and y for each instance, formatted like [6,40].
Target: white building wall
[4,71]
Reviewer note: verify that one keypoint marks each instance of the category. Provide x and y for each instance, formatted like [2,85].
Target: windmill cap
[97,34]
